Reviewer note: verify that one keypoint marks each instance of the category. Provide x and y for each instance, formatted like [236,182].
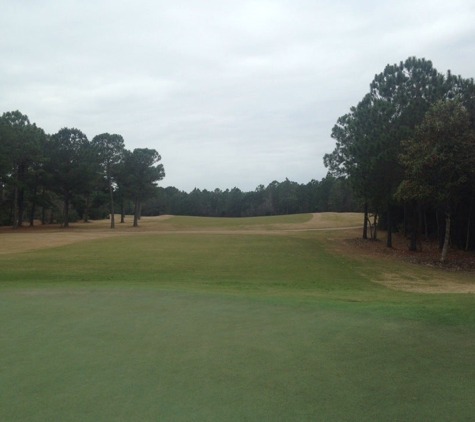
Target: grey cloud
[230,93]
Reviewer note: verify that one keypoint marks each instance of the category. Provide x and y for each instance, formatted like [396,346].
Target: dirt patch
[428,256]
[457,275]
[316,219]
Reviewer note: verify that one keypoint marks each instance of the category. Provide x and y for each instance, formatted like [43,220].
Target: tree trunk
[21,194]
[136,212]
[365,224]
[440,231]
[445,248]
[122,213]
[389,239]
[21,204]
[86,209]
[66,212]
[2,194]
[32,211]
[15,198]
[111,196]
[467,239]
[43,208]
[426,228]
[375,218]
[405,220]
[414,228]
[33,203]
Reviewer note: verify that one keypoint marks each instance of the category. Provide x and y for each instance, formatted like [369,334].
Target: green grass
[213,327]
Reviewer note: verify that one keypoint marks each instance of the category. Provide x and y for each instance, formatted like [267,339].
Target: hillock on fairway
[200,319]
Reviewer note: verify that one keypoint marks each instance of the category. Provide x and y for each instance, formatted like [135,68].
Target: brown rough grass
[442,283]
[421,272]
[39,236]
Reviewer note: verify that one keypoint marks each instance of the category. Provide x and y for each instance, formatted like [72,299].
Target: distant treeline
[277,198]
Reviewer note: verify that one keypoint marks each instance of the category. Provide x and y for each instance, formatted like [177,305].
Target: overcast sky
[230,93]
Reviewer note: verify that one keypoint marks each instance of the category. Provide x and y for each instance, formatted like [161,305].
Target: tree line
[59,177]
[277,198]
[408,150]
[65,177]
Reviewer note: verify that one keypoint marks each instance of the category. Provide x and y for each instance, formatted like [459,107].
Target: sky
[230,93]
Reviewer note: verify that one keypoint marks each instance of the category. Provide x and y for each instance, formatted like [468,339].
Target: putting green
[147,354]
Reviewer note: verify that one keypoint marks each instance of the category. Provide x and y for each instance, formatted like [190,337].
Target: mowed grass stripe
[292,268]
[214,258]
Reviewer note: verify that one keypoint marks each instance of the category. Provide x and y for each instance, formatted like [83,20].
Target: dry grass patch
[39,236]
[399,269]
[16,242]
[48,236]
[442,283]
[325,221]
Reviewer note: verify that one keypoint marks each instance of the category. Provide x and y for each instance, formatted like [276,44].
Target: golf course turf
[226,320]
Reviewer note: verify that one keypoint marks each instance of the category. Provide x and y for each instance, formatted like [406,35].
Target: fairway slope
[46,236]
